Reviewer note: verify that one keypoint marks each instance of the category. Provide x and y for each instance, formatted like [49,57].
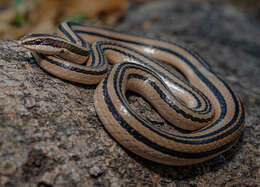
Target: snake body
[208,117]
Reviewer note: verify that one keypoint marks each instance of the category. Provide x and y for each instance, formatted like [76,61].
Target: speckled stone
[50,134]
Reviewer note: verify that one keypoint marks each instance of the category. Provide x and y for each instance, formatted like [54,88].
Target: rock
[50,134]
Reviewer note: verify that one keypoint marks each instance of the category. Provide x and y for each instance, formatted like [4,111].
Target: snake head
[43,43]
[49,44]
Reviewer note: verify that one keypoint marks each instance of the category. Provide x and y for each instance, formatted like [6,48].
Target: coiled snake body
[208,116]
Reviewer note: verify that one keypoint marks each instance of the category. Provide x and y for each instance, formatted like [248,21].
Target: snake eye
[37,42]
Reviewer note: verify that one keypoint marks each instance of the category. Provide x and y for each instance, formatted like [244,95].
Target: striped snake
[206,115]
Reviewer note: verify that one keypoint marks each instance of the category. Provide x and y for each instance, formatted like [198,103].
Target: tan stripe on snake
[208,116]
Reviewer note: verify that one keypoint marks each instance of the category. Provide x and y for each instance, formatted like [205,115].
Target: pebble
[21,110]
[95,171]
[4,180]
[7,168]
[29,102]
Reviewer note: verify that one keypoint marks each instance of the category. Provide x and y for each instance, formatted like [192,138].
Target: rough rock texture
[50,134]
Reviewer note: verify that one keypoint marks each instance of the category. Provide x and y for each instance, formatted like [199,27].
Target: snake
[204,117]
